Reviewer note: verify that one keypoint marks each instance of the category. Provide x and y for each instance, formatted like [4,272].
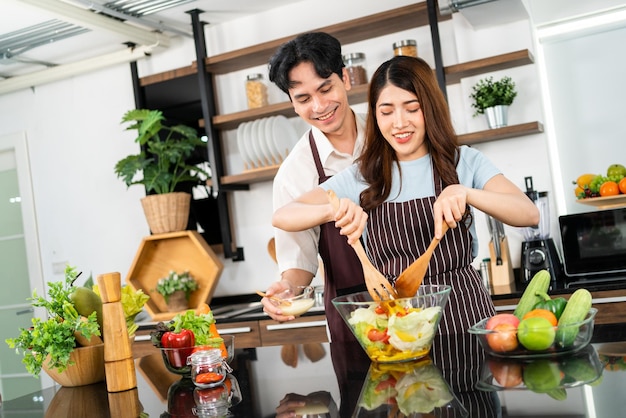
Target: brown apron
[342,268]
[397,233]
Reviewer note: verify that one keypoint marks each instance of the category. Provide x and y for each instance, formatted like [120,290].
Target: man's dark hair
[318,48]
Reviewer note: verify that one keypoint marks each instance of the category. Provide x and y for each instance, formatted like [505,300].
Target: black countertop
[591,386]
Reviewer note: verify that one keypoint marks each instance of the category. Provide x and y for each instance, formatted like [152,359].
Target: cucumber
[575,312]
[540,283]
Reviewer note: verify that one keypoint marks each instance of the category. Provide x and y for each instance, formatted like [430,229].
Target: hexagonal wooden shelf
[179,251]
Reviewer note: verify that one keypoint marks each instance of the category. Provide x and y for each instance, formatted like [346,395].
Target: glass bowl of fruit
[395,330]
[535,335]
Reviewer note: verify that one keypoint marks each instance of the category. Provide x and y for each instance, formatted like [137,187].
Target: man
[310,70]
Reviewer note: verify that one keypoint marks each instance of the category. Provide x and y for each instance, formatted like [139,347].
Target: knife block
[502,278]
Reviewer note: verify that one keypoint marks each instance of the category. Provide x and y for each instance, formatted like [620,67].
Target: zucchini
[540,283]
[575,312]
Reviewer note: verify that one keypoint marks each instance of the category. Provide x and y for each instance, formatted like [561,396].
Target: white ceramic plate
[284,135]
[269,139]
[241,139]
[254,144]
[246,146]
[262,143]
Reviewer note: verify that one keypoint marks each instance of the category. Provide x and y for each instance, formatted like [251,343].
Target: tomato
[536,333]
[377,335]
[543,313]
[386,384]
[609,188]
[379,310]
[622,185]
[505,318]
[503,338]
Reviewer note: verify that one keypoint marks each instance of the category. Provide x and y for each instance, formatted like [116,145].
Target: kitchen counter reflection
[345,383]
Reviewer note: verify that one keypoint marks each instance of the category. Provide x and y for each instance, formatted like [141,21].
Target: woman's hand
[449,207]
[351,219]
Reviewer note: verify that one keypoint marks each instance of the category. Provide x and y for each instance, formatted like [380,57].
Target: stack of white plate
[265,142]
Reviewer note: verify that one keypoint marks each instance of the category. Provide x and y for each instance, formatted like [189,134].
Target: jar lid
[210,356]
[354,56]
[405,42]
[256,76]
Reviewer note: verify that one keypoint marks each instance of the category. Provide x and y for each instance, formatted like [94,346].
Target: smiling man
[310,70]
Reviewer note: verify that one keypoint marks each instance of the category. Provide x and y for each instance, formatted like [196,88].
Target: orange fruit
[579,191]
[543,313]
[622,185]
[609,188]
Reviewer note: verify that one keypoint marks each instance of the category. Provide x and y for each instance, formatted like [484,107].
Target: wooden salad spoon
[409,281]
[377,285]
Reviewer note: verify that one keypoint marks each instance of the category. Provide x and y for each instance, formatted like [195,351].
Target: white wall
[87,217]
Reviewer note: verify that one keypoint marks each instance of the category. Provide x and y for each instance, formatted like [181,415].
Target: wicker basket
[167,212]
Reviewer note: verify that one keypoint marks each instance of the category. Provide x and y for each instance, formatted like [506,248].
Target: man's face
[321,102]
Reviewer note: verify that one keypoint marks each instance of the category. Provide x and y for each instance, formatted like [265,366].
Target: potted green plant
[161,166]
[176,289]
[493,98]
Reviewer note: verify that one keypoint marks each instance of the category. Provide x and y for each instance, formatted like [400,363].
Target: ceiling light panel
[140,8]
[45,33]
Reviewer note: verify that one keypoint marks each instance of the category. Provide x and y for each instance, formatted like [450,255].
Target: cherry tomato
[503,339]
[377,335]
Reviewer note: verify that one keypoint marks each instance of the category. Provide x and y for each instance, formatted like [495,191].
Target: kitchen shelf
[530,128]
[505,132]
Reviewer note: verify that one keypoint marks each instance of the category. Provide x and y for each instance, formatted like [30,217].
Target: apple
[503,338]
[507,373]
[503,318]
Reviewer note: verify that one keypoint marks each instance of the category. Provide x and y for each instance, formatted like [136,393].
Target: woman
[411,177]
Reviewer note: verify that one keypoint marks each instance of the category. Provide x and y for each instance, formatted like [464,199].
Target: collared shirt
[298,175]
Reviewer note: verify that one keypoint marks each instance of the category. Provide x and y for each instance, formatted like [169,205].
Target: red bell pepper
[181,345]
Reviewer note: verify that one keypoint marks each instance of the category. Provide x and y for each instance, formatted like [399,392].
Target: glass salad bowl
[395,330]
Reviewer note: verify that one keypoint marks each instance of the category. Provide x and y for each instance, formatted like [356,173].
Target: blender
[538,249]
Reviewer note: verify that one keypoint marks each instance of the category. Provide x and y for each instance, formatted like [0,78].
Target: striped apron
[397,234]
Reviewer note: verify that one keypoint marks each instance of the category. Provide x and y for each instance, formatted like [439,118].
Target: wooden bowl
[88,367]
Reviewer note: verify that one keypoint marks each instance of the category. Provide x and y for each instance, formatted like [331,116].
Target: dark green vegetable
[556,305]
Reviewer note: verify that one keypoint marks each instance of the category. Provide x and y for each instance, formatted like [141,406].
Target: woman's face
[400,119]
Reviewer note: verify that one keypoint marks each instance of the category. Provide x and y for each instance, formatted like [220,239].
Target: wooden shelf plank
[358,94]
[501,133]
[454,73]
[379,24]
[268,173]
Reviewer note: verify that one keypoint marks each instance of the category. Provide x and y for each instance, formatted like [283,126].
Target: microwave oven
[594,244]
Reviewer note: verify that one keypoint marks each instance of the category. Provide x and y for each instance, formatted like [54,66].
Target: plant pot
[497,116]
[168,212]
[88,367]
[177,301]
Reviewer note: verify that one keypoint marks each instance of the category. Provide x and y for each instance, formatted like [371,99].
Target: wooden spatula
[411,278]
[377,285]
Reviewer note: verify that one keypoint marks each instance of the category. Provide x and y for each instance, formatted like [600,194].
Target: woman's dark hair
[319,48]
[376,161]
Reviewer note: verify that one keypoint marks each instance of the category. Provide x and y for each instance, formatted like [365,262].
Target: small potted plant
[493,98]
[176,289]
[161,167]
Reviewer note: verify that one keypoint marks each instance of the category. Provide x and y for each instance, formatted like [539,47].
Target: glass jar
[256,91]
[407,47]
[355,64]
[208,368]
